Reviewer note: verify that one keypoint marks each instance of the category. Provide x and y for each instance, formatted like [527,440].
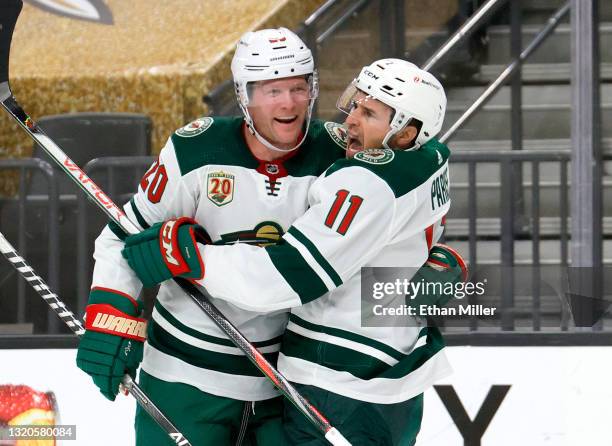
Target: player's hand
[445,259]
[113,340]
[443,266]
[166,250]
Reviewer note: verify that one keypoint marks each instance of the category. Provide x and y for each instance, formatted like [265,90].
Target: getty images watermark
[495,297]
[422,297]
[405,296]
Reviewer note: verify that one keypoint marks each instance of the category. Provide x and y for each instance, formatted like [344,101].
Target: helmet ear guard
[398,123]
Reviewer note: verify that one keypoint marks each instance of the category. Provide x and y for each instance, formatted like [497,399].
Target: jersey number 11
[332,215]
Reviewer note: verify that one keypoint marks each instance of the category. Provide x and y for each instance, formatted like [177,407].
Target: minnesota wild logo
[220,188]
[375,156]
[195,128]
[337,133]
[264,234]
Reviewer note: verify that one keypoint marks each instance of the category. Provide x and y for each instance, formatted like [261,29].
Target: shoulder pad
[440,148]
[195,128]
[211,141]
[403,171]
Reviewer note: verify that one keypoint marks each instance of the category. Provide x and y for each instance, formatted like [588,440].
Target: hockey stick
[8,16]
[59,308]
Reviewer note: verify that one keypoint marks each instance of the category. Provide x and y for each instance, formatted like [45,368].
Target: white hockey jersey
[207,172]
[381,208]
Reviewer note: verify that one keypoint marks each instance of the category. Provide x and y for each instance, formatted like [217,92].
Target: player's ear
[405,137]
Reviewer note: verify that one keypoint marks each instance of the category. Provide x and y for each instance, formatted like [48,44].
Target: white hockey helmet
[272,54]
[411,92]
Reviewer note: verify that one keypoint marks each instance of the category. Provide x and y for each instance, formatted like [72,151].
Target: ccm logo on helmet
[166,242]
[370,74]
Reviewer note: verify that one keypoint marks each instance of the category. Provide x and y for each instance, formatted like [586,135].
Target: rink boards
[534,396]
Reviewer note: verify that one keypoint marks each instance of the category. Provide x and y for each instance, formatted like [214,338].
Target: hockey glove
[166,250]
[444,266]
[113,340]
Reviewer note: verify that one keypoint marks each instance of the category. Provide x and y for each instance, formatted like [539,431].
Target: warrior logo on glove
[113,340]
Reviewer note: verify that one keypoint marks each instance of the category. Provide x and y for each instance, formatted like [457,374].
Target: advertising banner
[532,396]
[497,396]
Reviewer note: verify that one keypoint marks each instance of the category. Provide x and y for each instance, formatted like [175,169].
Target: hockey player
[246,180]
[382,206]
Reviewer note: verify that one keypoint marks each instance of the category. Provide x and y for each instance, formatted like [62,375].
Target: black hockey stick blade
[9,11]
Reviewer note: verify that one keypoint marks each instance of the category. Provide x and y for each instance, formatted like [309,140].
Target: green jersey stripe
[332,356]
[203,336]
[297,272]
[206,359]
[114,227]
[331,272]
[418,356]
[347,335]
[359,364]
[141,221]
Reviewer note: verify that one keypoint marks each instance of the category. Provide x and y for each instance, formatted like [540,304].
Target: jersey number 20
[154,182]
[346,221]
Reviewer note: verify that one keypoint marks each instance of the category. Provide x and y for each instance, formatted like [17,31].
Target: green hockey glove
[444,266]
[113,339]
[166,250]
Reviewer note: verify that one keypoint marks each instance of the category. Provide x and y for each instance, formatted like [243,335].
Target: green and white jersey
[381,208]
[206,171]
